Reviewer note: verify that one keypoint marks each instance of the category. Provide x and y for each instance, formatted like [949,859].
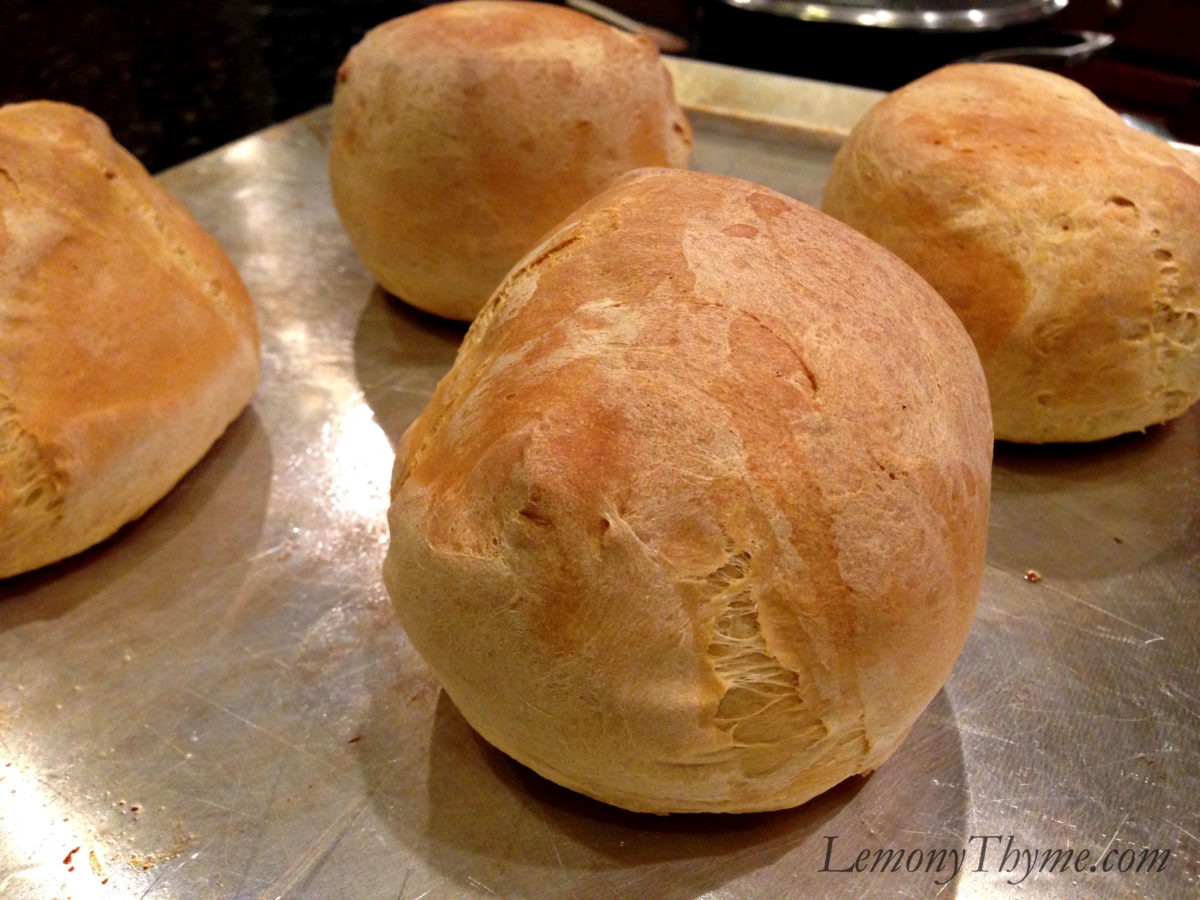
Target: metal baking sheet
[218,702]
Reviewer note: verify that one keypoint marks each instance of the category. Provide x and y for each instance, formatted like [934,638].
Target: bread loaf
[464,131]
[696,522]
[127,341]
[1065,239]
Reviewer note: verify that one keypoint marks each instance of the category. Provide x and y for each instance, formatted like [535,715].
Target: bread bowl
[1064,238]
[128,342]
[464,131]
[697,520]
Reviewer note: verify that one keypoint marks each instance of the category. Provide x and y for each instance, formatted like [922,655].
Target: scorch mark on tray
[313,856]
[1096,630]
[977,732]
[1116,831]
[196,798]
[1181,828]
[282,740]
[1191,703]
[550,839]
[1100,632]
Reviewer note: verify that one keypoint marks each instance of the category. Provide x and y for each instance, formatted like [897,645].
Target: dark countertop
[174,79]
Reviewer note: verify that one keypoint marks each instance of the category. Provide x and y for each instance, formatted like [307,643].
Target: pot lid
[917,15]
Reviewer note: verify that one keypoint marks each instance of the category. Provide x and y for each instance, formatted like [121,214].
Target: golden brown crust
[127,343]
[697,519]
[466,130]
[1064,239]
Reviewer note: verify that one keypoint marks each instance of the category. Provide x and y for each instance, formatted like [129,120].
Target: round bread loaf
[696,522]
[463,132]
[1065,239]
[127,341]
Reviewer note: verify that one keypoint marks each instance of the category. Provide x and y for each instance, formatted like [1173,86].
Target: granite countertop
[175,79]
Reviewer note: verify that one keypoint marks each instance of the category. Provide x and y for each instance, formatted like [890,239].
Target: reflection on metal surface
[920,15]
[242,152]
[363,462]
[230,663]
[48,849]
[37,841]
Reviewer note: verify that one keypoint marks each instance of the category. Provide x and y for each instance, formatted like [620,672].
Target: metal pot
[886,43]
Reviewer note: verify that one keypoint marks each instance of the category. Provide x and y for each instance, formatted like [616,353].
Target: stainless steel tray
[218,702]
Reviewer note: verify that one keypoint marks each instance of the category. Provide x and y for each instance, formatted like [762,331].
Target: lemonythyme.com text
[996,853]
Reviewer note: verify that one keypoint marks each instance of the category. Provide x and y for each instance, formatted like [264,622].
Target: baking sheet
[218,702]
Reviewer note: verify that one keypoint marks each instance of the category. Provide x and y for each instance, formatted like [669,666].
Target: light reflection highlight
[360,463]
[244,151]
[42,852]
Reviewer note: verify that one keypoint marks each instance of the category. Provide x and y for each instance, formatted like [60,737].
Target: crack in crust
[762,703]
[459,385]
[31,485]
[180,257]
